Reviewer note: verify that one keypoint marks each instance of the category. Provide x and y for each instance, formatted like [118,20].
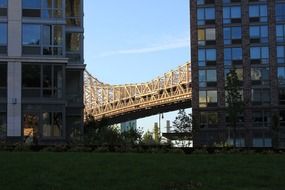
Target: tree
[147,138]
[233,100]
[183,127]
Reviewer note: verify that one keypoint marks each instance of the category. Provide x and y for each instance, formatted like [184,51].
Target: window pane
[202,75]
[4,3]
[254,31]
[236,32]
[254,11]
[31,34]
[237,53]
[201,55]
[72,8]
[211,34]
[47,124]
[227,53]
[210,13]
[211,54]
[57,35]
[201,34]
[32,4]
[3,32]
[3,75]
[255,53]
[226,12]
[211,75]
[31,76]
[280,13]
[73,41]
[212,96]
[57,124]
[235,12]
[264,52]
[200,14]
[47,35]
[280,51]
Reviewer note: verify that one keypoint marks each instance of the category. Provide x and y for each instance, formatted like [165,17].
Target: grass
[107,171]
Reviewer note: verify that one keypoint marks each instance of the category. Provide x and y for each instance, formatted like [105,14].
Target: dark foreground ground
[57,171]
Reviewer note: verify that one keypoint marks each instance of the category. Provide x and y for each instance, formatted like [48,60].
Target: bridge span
[119,103]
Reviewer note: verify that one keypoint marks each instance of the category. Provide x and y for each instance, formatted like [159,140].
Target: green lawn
[57,171]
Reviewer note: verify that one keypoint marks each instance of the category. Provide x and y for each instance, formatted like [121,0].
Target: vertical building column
[220,64]
[14,69]
[246,73]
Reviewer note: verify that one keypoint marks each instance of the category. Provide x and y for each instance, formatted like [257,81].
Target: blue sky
[132,41]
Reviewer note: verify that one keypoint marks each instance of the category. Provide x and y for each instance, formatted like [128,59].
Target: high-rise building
[129,125]
[250,36]
[41,70]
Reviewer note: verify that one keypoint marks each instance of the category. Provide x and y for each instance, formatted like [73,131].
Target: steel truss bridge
[119,103]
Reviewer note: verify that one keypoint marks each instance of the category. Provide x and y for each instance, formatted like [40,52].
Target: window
[233,56]
[207,36]
[280,54]
[42,39]
[261,118]
[260,76]
[231,1]
[258,13]
[208,119]
[74,87]
[3,75]
[280,33]
[208,78]
[205,2]
[73,46]
[260,96]
[30,127]
[282,96]
[259,55]
[3,8]
[206,16]
[3,38]
[232,35]
[258,34]
[282,117]
[262,142]
[73,13]
[281,75]
[279,12]
[207,57]
[42,8]
[232,14]
[52,124]
[207,98]
[42,80]
[239,72]
[3,125]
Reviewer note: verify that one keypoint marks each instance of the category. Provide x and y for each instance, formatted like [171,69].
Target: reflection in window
[42,8]
[262,142]
[232,14]
[279,12]
[258,13]
[259,55]
[3,38]
[206,16]
[30,128]
[73,13]
[232,35]
[239,72]
[42,39]
[207,57]
[207,78]
[260,76]
[42,80]
[52,124]
[258,34]
[207,98]
[207,36]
